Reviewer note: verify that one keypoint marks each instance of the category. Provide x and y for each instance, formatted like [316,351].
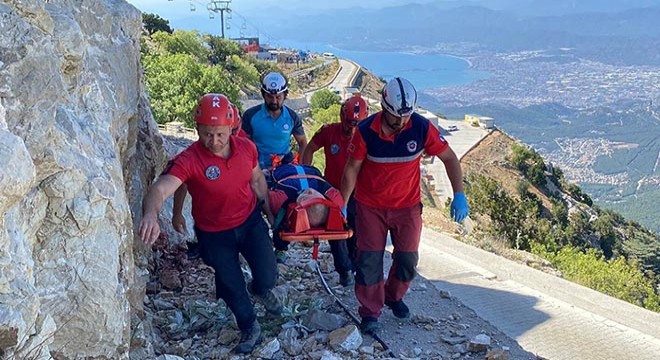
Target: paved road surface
[460,141]
[342,80]
[549,316]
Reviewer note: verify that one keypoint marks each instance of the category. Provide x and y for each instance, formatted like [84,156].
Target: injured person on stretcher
[307,208]
[314,215]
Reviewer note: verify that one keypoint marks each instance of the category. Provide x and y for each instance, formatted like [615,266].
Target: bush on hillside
[594,247]
[176,82]
[181,42]
[530,164]
[323,99]
[221,49]
[617,277]
[153,23]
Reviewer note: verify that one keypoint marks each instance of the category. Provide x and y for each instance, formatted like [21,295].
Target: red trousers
[372,225]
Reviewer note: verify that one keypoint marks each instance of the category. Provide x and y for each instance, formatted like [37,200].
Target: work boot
[399,309]
[280,256]
[346,278]
[270,302]
[369,325]
[249,339]
[193,251]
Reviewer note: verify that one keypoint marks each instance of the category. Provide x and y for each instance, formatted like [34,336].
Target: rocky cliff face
[78,147]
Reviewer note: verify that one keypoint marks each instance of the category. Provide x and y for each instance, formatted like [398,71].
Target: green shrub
[618,277]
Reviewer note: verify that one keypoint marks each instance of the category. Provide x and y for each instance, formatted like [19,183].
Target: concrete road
[461,141]
[547,315]
[341,80]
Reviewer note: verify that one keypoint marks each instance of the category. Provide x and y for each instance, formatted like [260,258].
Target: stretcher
[296,225]
[296,228]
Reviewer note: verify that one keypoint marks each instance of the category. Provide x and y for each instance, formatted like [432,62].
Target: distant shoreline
[459,57]
[426,68]
[438,53]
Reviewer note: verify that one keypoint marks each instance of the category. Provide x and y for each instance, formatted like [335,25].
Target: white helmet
[399,97]
[274,83]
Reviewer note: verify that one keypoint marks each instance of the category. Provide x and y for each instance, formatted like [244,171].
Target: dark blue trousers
[220,251]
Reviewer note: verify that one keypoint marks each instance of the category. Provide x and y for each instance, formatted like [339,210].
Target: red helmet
[215,110]
[354,110]
[237,117]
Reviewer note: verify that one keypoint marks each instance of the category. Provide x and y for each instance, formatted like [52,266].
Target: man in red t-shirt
[178,221]
[228,191]
[298,183]
[383,169]
[334,139]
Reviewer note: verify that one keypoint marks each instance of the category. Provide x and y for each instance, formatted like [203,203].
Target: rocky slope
[183,319]
[79,146]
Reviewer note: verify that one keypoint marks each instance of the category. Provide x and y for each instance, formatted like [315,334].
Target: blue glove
[343,211]
[459,209]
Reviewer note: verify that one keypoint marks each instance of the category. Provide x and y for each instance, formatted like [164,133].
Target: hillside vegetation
[520,203]
[180,66]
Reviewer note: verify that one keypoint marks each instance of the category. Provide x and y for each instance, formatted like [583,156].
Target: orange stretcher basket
[297,228]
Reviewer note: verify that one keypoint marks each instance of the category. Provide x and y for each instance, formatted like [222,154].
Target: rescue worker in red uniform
[383,169]
[334,139]
[238,123]
[228,191]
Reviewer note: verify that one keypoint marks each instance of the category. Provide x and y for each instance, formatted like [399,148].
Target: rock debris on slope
[183,320]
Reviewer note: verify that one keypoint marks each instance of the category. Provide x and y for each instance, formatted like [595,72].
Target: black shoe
[369,325]
[270,302]
[193,251]
[346,278]
[399,309]
[249,339]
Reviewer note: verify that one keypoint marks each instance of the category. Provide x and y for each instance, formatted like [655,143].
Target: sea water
[425,71]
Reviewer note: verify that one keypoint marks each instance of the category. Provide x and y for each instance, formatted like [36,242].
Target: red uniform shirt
[393,181]
[241,133]
[277,198]
[220,188]
[335,147]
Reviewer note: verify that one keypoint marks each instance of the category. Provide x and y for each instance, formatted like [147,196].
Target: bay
[425,71]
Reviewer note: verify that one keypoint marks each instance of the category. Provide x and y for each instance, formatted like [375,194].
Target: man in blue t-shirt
[271,124]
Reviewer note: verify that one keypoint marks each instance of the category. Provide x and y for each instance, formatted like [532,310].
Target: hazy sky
[180,7]
[242,23]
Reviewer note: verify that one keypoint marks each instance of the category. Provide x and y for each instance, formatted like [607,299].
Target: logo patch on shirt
[212,172]
[334,149]
[411,145]
[285,126]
